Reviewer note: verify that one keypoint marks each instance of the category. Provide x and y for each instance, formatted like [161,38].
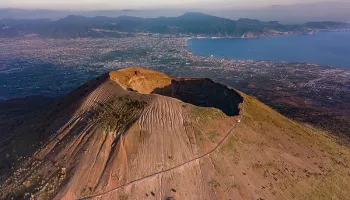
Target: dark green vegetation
[15,111]
[319,117]
[190,24]
[118,114]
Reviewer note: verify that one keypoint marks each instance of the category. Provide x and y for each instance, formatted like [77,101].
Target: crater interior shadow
[204,93]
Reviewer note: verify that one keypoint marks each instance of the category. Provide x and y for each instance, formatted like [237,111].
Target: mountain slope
[192,23]
[130,135]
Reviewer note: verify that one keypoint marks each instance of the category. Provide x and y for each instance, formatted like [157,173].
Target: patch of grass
[213,183]
[264,119]
[262,144]
[87,191]
[196,130]
[204,115]
[214,135]
[123,197]
[261,119]
[192,140]
[117,114]
[263,166]
[201,137]
[335,186]
[229,149]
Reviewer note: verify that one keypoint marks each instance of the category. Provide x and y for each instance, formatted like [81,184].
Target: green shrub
[117,114]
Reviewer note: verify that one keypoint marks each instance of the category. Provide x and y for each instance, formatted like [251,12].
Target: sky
[141,4]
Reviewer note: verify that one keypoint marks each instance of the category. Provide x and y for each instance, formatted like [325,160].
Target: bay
[325,48]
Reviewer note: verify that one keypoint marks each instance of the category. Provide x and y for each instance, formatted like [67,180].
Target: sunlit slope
[128,136]
[142,80]
[267,156]
[286,160]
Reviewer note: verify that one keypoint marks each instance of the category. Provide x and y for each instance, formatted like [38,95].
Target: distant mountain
[32,13]
[286,14]
[58,14]
[192,23]
[290,14]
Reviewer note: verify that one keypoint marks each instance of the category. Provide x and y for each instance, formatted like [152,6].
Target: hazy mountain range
[298,13]
[192,23]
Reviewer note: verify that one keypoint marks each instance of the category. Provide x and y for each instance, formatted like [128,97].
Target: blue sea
[325,48]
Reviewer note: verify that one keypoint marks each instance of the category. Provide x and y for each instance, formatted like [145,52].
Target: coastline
[335,65]
[311,32]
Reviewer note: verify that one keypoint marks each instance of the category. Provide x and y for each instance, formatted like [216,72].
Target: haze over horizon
[287,12]
[152,4]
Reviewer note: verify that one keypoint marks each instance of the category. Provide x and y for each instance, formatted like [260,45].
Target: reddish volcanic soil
[140,134]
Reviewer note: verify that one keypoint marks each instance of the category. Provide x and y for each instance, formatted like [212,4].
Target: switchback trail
[172,168]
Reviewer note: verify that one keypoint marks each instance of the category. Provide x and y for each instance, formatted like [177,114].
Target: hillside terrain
[141,134]
[192,23]
[13,112]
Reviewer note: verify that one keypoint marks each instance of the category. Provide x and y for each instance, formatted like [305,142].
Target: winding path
[173,168]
